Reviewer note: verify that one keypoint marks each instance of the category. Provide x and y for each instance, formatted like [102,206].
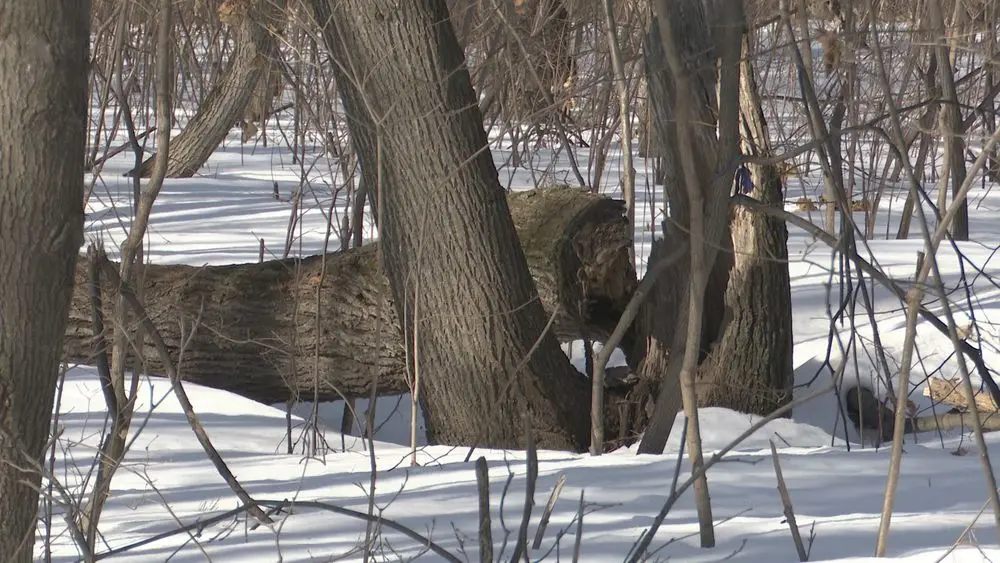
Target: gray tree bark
[745,360]
[256,25]
[750,369]
[471,316]
[43,108]
[667,309]
[950,120]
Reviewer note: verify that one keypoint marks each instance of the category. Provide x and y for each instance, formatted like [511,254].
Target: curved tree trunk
[42,143]
[257,24]
[258,324]
[458,276]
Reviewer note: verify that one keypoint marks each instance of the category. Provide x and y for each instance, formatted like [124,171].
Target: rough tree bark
[750,368]
[256,24]
[663,321]
[745,362]
[457,273]
[950,120]
[697,116]
[43,108]
[576,246]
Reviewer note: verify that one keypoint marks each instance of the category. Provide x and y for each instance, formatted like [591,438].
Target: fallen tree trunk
[287,329]
[868,412]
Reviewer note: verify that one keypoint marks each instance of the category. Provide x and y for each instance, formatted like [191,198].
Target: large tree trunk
[750,368]
[256,25]
[696,106]
[44,116]
[664,320]
[258,325]
[471,316]
[746,345]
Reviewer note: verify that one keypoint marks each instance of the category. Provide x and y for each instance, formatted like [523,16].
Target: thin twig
[547,513]
[786,502]
[647,537]
[182,398]
[579,530]
[531,479]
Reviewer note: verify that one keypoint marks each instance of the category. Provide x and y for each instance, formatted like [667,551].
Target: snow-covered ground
[836,485]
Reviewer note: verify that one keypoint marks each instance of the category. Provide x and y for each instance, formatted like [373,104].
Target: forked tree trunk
[664,318]
[471,316]
[42,144]
[256,25]
[745,362]
[750,368]
[694,91]
[257,333]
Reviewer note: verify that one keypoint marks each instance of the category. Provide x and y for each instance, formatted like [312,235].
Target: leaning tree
[488,370]
[456,272]
[44,114]
[256,26]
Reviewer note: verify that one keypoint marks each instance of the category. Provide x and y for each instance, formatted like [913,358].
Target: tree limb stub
[258,334]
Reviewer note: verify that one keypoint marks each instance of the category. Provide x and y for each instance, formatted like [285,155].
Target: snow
[835,482]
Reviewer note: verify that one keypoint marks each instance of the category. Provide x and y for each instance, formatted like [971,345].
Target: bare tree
[749,368]
[43,65]
[255,25]
[446,231]
[119,396]
[696,109]
[746,293]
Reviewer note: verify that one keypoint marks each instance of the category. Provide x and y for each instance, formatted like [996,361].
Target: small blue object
[744,183]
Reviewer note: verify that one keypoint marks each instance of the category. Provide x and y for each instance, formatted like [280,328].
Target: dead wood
[868,412]
[259,334]
[949,392]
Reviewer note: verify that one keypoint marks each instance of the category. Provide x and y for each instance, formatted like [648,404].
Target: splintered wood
[949,392]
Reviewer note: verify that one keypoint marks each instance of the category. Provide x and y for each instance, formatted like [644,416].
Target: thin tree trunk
[618,65]
[44,113]
[114,447]
[446,229]
[922,130]
[359,121]
[951,123]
